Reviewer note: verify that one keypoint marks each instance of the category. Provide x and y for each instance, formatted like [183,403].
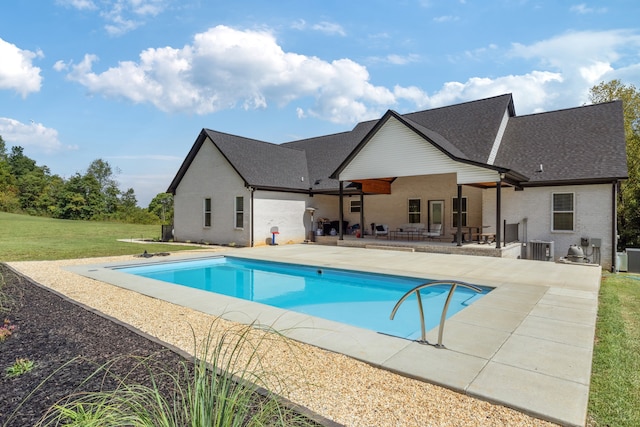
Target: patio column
[361,214]
[498,216]
[459,231]
[341,216]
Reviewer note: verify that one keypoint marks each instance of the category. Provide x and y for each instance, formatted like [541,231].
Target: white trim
[205,212]
[397,151]
[498,140]
[572,211]
[236,211]
[409,213]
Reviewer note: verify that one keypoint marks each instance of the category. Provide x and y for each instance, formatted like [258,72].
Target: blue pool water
[360,299]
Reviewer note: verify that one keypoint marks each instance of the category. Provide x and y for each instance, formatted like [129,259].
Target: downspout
[251,242]
[340,203]
[498,208]
[614,226]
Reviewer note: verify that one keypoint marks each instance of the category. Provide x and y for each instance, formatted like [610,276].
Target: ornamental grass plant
[224,385]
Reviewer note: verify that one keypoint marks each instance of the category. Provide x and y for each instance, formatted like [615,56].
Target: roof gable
[258,163]
[409,151]
[472,127]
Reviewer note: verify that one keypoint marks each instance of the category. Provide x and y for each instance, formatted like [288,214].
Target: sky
[133,82]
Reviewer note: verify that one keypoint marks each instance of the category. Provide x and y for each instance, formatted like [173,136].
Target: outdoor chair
[436,231]
[381,230]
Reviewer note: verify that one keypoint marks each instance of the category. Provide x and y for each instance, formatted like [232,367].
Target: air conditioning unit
[540,251]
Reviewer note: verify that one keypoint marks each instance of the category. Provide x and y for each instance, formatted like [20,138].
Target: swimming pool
[359,299]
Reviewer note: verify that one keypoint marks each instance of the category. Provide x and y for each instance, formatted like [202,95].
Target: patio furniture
[381,230]
[434,231]
[409,231]
[487,238]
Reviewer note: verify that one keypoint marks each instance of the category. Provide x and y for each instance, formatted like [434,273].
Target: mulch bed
[67,343]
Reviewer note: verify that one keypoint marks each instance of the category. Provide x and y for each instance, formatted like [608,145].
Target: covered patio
[394,157]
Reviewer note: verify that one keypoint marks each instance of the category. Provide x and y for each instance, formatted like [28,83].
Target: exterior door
[436,213]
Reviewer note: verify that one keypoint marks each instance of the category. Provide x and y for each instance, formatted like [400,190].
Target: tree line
[30,189]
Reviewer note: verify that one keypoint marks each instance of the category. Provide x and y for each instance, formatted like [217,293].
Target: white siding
[593,216]
[397,151]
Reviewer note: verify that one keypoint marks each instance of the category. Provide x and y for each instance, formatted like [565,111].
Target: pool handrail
[454,284]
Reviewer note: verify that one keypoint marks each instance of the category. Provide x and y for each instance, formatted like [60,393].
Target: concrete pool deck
[527,344]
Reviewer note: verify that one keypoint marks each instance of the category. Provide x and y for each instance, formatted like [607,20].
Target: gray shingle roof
[325,153]
[263,164]
[259,163]
[583,143]
[471,126]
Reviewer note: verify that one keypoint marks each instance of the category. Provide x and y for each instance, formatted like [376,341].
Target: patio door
[436,213]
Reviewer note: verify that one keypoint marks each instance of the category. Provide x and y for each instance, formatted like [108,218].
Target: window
[355,206]
[414,211]
[563,212]
[239,212]
[455,212]
[207,212]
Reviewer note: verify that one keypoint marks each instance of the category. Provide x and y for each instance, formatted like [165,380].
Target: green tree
[9,201]
[103,173]
[80,198]
[162,207]
[629,202]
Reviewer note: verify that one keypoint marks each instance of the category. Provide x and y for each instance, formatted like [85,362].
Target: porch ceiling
[375,186]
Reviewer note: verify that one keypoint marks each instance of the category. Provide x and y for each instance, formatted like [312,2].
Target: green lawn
[615,379]
[24,238]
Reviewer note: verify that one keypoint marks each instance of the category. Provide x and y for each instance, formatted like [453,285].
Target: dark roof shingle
[583,143]
[580,144]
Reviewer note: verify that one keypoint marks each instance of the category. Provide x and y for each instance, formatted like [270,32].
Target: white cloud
[446,18]
[573,49]
[330,28]
[121,16]
[584,58]
[300,24]
[402,59]
[564,68]
[17,71]
[583,9]
[225,68]
[78,4]
[33,136]
[60,66]
[532,91]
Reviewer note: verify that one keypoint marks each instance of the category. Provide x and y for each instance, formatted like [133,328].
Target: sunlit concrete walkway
[527,344]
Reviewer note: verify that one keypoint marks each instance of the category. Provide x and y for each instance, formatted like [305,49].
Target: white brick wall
[210,175]
[593,215]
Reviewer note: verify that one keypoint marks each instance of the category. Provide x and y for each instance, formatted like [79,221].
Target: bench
[408,231]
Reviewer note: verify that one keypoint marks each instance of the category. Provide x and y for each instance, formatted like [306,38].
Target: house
[554,174]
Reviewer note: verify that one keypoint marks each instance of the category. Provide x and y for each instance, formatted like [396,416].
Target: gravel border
[337,387]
